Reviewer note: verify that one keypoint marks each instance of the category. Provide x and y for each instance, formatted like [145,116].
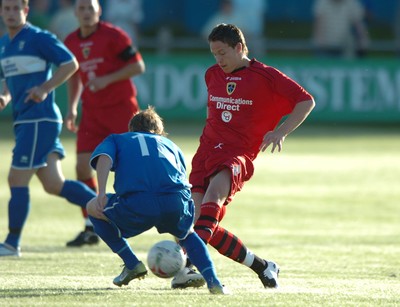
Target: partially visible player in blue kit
[27,54]
[151,190]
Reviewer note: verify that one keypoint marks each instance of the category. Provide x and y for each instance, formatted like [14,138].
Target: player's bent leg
[54,183]
[77,193]
[198,253]
[229,245]
[188,277]
[205,226]
[87,236]
[208,221]
[110,234]
[85,174]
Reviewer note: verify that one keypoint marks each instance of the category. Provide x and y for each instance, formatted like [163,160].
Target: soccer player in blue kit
[27,54]
[151,190]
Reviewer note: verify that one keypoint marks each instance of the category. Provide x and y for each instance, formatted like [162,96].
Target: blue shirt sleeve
[107,148]
[53,50]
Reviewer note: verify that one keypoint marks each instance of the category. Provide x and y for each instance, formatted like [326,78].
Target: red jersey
[244,105]
[100,54]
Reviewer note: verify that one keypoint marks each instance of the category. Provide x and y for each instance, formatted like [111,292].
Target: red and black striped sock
[227,244]
[208,221]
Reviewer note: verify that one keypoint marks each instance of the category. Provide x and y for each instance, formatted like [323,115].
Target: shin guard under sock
[227,244]
[208,221]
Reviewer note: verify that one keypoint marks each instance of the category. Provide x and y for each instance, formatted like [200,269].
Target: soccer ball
[166,258]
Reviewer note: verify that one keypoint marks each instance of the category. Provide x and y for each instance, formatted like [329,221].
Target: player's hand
[70,122]
[97,84]
[37,94]
[3,103]
[101,201]
[272,138]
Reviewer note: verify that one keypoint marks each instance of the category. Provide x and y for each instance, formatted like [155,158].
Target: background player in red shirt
[246,102]
[107,62]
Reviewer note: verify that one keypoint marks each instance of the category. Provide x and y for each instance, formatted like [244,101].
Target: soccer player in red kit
[246,102]
[107,62]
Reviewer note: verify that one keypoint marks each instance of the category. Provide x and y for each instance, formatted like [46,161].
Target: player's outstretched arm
[277,137]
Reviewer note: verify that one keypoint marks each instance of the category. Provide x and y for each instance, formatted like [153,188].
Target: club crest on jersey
[230,87]
[86,52]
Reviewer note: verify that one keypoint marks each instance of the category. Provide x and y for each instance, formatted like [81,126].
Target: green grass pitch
[327,209]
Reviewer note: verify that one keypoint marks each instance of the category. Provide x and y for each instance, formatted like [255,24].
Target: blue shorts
[34,142]
[171,213]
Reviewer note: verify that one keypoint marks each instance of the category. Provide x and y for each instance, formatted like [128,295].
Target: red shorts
[209,161]
[97,124]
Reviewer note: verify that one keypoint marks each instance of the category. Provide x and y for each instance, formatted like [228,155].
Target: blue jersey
[26,61]
[143,162]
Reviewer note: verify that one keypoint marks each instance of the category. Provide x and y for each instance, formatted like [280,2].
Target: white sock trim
[248,261]
[88,222]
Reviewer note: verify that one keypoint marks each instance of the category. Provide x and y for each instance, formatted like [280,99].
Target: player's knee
[91,207]
[93,211]
[52,187]
[13,180]
[204,230]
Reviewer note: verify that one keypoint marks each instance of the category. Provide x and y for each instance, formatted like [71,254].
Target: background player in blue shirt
[27,54]
[151,189]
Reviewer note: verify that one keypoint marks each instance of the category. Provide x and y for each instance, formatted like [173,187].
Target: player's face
[88,12]
[14,14]
[227,58]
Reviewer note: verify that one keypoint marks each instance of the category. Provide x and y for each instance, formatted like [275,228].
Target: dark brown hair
[228,34]
[147,121]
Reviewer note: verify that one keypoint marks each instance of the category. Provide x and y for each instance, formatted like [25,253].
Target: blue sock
[77,192]
[198,254]
[112,237]
[18,211]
